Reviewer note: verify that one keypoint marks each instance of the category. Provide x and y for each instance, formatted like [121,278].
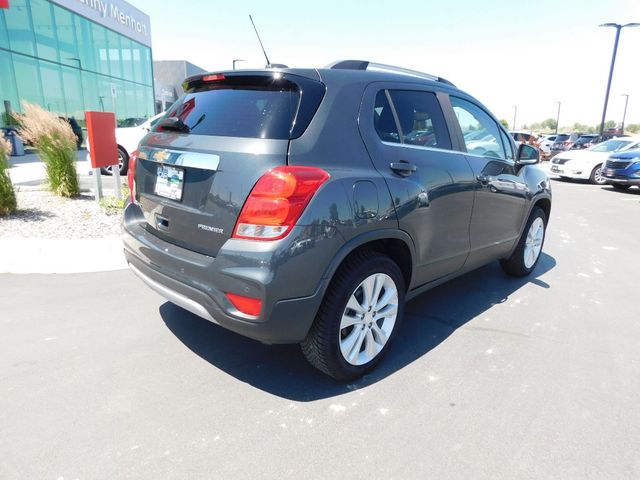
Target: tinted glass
[54,57]
[238,111]
[18,22]
[562,138]
[383,119]
[65,32]
[473,119]
[43,27]
[421,119]
[26,70]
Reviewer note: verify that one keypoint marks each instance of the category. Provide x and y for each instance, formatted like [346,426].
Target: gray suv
[307,205]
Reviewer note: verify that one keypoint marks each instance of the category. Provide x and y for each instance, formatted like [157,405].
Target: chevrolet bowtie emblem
[161,155]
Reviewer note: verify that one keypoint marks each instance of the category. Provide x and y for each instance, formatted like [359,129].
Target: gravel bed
[41,214]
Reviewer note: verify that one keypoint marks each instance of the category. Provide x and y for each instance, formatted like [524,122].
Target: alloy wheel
[533,242]
[109,168]
[368,319]
[598,177]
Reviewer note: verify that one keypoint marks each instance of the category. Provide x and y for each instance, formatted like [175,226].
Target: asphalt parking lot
[491,377]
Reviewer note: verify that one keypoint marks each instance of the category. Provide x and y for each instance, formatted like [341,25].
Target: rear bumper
[198,283]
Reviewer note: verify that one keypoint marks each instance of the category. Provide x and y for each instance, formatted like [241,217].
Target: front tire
[524,259]
[596,176]
[359,316]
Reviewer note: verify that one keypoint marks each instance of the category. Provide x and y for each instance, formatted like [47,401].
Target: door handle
[403,168]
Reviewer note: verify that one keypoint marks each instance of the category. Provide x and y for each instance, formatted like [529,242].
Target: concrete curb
[38,255]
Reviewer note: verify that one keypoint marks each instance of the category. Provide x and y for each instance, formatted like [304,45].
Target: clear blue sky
[504,52]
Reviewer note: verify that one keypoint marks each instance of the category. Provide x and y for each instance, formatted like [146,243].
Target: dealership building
[70,56]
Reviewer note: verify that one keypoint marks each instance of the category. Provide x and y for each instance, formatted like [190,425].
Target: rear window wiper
[173,123]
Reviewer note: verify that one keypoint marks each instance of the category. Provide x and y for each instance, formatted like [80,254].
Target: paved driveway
[490,378]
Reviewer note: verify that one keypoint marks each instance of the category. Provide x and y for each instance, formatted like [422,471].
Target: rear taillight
[131,175]
[277,201]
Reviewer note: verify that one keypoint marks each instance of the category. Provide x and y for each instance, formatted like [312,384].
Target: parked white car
[587,164]
[545,143]
[128,139]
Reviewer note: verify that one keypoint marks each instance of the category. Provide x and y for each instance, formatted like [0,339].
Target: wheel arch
[542,201]
[545,204]
[397,244]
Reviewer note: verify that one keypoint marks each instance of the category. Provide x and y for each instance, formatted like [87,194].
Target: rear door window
[383,119]
[420,118]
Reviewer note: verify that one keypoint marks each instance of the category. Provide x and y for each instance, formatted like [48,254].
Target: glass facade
[68,64]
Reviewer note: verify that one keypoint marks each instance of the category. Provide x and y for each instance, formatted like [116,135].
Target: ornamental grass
[7,194]
[56,144]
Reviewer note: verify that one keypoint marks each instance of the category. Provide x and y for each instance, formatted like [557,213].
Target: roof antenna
[261,45]
[269,64]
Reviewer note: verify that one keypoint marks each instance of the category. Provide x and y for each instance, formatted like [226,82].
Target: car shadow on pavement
[282,369]
[629,191]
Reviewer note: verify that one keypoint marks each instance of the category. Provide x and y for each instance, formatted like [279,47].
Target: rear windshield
[562,138]
[249,106]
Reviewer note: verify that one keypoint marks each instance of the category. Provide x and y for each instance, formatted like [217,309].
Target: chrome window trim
[203,161]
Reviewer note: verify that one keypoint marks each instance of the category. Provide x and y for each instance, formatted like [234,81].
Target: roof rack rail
[366,65]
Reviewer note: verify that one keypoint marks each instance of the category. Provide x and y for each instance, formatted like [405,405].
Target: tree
[610,124]
[549,124]
[632,128]
[504,123]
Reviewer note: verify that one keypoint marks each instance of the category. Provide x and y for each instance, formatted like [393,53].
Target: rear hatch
[559,142]
[197,167]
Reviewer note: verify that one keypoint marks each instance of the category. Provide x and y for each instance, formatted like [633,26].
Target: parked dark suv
[306,206]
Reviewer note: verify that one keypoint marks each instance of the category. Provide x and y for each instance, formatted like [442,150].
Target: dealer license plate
[169,182]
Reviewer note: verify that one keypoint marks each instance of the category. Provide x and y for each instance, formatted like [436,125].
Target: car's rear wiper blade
[173,123]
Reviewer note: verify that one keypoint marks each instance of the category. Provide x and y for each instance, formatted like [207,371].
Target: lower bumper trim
[173,296]
[622,181]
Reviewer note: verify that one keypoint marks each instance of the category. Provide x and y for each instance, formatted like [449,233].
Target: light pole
[618,28]
[237,60]
[515,112]
[624,115]
[558,117]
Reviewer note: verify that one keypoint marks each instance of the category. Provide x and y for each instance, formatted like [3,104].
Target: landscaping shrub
[56,145]
[7,195]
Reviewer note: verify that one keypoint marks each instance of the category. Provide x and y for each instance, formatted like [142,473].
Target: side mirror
[527,155]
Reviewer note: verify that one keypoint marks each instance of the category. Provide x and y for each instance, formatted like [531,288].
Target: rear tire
[359,316]
[596,176]
[620,186]
[524,259]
